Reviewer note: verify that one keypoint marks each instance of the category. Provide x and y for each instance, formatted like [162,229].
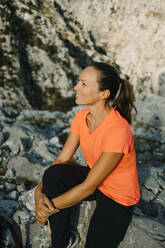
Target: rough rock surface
[43,47]
[45,44]
[132,34]
[42,52]
[27,147]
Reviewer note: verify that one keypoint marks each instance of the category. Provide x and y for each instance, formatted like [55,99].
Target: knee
[51,172]
[52,179]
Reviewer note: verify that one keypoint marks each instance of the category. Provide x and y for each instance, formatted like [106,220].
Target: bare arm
[103,167]
[43,206]
[68,150]
[66,153]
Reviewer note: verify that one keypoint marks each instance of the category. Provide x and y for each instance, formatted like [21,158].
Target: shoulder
[117,135]
[118,127]
[118,121]
[79,117]
[82,112]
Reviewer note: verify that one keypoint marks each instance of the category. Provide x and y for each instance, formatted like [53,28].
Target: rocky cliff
[43,47]
[42,52]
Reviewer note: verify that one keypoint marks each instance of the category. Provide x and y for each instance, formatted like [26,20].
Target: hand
[43,207]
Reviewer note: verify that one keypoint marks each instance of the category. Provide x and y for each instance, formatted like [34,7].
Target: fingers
[41,218]
[56,211]
[44,208]
[42,221]
[49,204]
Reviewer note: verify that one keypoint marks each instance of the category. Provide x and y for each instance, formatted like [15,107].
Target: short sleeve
[117,139]
[75,126]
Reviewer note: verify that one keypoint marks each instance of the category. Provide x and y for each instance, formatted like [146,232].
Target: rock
[21,188]
[55,141]
[25,170]
[10,173]
[56,50]
[158,79]
[134,17]
[151,233]
[28,199]
[9,186]
[8,206]
[37,116]
[33,233]
[1,139]
[2,193]
[13,195]
[153,113]
[51,42]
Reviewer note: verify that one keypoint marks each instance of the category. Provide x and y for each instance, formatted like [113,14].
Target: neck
[99,112]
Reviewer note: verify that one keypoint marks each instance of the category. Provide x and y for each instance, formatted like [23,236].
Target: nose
[76,86]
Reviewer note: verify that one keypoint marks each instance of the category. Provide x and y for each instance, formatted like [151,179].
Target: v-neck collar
[100,125]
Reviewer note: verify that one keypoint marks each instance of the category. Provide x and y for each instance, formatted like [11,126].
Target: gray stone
[33,233]
[153,113]
[2,187]
[21,187]
[13,195]
[1,138]
[144,232]
[10,173]
[40,116]
[55,141]
[161,198]
[151,183]
[146,194]
[43,76]
[9,186]
[43,151]
[9,206]
[24,169]
[2,194]
[28,199]
[162,83]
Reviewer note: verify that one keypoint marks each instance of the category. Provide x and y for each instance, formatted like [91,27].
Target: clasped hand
[43,207]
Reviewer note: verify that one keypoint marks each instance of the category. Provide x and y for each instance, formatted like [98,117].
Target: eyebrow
[82,80]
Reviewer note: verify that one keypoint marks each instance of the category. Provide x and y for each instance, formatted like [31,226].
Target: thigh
[59,178]
[108,224]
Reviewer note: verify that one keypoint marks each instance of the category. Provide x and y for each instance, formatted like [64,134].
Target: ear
[105,94]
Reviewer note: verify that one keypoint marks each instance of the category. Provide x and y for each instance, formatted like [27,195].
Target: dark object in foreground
[10,234]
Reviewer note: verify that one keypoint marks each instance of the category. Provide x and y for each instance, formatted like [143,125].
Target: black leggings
[110,219]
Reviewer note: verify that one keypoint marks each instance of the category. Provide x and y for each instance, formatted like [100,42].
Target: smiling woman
[104,134]
[87,88]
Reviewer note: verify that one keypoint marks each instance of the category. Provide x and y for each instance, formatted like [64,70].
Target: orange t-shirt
[112,135]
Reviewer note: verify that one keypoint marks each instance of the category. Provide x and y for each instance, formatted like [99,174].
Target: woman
[104,134]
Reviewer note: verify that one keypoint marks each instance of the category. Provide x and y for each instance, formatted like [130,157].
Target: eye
[84,84]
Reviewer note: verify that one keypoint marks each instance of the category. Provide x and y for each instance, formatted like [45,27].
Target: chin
[78,102]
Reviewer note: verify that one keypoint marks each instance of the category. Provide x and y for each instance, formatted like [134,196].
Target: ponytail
[123,103]
[121,93]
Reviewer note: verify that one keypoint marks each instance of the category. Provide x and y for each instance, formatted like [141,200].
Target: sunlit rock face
[45,45]
[133,35]
[43,50]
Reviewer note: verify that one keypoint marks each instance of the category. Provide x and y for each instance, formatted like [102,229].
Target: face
[87,88]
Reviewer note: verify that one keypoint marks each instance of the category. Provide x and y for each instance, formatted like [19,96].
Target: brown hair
[121,93]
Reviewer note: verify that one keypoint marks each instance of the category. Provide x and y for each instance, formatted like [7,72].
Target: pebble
[13,195]
[21,187]
[9,186]
[10,173]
